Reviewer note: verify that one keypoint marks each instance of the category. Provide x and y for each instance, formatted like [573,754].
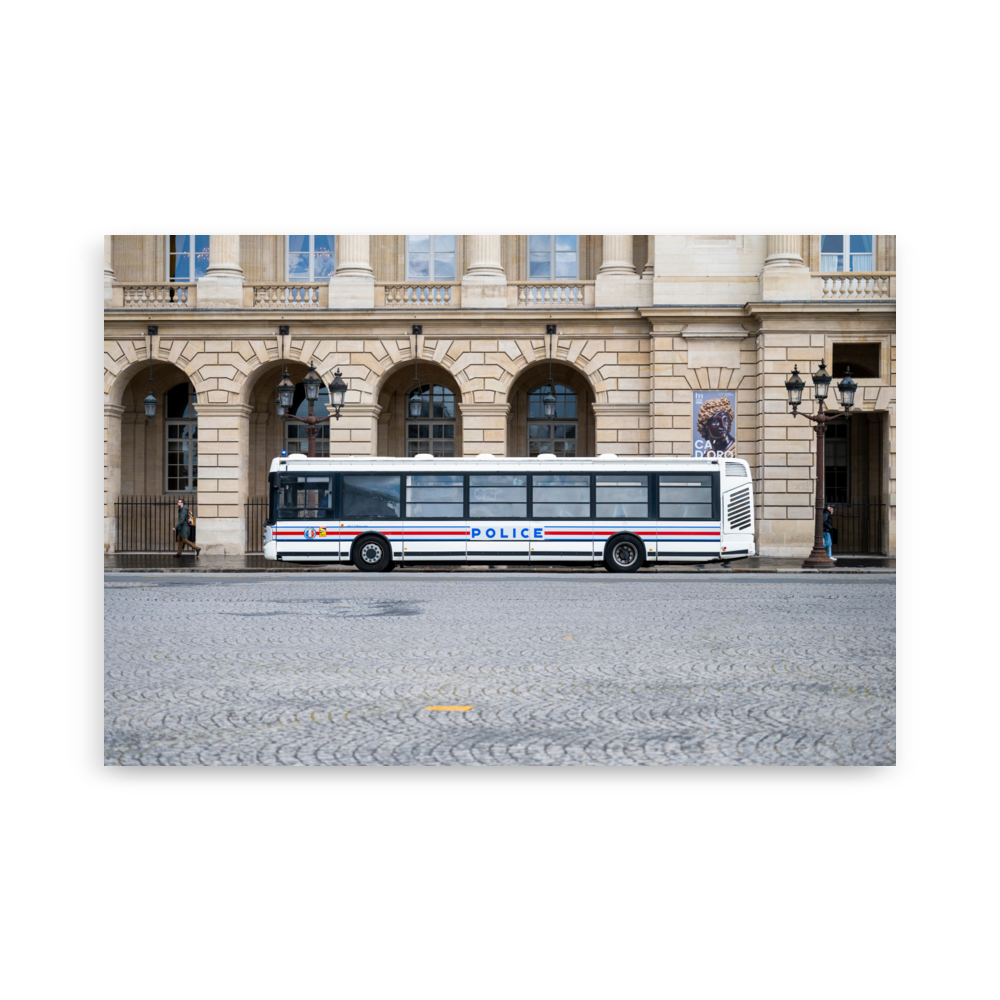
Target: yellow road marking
[447,708]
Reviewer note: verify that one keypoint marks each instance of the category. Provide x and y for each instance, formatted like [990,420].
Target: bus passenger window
[560,496]
[304,496]
[434,496]
[498,496]
[370,496]
[685,495]
[623,495]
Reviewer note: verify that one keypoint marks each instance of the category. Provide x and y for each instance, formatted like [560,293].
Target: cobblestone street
[505,668]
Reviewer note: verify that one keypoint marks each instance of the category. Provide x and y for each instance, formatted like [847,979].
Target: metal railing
[146,523]
[861,529]
[255,513]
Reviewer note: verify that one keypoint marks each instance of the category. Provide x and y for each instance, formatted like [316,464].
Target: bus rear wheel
[372,554]
[624,554]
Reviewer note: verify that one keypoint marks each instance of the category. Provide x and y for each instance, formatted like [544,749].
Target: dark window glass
[370,496]
[180,401]
[305,496]
[685,495]
[836,459]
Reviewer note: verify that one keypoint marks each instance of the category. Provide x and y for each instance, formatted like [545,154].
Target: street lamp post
[312,384]
[821,386]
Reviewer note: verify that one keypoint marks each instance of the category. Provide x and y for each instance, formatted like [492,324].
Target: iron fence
[861,529]
[146,523]
[256,517]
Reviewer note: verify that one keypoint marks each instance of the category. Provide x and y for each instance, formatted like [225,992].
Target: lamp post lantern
[818,558]
[149,403]
[549,399]
[416,402]
[312,384]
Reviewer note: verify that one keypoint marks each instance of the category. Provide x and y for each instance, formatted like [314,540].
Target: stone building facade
[642,323]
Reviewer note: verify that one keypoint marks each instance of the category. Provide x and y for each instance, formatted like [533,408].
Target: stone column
[222,286]
[617,281]
[670,407]
[109,272]
[622,428]
[353,283]
[484,428]
[484,284]
[650,269]
[356,432]
[112,468]
[785,275]
[223,476]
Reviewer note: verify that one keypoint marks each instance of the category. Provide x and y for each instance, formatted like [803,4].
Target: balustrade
[161,296]
[404,296]
[856,285]
[529,294]
[287,296]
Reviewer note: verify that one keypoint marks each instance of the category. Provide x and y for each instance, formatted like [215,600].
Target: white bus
[378,513]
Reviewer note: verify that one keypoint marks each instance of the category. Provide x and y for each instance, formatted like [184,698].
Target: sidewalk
[162,563]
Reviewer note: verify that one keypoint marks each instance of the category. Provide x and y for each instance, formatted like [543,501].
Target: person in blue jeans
[828,531]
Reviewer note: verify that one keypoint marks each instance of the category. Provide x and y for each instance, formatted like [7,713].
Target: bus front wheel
[624,554]
[372,554]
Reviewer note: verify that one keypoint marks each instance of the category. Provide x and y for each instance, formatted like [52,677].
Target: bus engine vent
[736,470]
[738,515]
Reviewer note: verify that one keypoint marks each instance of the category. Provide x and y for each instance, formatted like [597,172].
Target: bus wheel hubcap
[624,554]
[371,553]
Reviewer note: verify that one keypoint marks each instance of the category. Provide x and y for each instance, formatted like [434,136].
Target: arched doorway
[424,418]
[161,456]
[570,433]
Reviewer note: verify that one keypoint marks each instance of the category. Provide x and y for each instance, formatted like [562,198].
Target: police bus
[378,513]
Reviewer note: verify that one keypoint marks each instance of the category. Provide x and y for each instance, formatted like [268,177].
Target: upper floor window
[187,258]
[430,257]
[309,258]
[553,257]
[846,253]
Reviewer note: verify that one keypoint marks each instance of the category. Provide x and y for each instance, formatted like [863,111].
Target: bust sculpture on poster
[715,424]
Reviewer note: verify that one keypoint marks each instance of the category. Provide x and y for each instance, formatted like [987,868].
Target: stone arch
[393,391]
[140,446]
[530,377]
[132,359]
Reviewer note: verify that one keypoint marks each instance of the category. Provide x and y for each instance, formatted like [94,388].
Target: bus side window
[370,495]
[623,495]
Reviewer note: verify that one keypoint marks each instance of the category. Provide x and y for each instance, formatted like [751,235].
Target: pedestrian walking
[828,531]
[183,529]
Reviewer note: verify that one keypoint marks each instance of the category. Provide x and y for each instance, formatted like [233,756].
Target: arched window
[297,435]
[433,431]
[551,258]
[558,434]
[182,439]
[430,257]
[309,258]
[187,258]
[846,253]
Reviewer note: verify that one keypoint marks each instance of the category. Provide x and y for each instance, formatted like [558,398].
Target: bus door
[561,526]
[688,526]
[622,505]
[434,526]
[499,530]
[305,527]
